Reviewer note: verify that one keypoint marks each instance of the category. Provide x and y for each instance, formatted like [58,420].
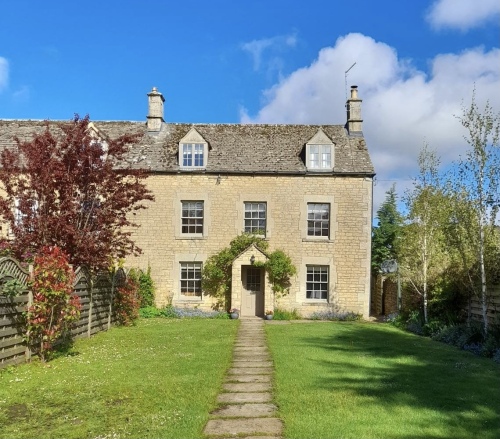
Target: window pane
[192,217]
[253,279]
[255,218]
[190,279]
[320,156]
[317,282]
[193,155]
[318,219]
[187,155]
[198,157]
[326,161]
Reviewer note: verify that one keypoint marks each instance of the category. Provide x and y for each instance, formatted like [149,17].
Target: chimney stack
[354,122]
[155,110]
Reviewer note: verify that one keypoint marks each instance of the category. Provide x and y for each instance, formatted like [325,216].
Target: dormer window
[193,155]
[319,153]
[193,151]
[320,157]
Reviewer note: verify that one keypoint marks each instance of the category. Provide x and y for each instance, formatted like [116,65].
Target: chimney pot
[354,92]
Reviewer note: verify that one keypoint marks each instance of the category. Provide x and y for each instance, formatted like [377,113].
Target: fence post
[91,305]
[27,351]
[110,310]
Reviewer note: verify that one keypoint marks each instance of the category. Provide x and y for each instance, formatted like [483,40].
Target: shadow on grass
[396,369]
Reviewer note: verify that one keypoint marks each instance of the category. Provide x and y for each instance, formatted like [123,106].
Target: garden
[160,378]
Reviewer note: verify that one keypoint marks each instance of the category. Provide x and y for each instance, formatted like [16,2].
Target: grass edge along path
[157,379]
[367,380]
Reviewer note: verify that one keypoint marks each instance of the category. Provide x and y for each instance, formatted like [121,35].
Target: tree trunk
[484,295]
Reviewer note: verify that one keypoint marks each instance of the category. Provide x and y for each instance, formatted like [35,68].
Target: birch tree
[421,251]
[476,186]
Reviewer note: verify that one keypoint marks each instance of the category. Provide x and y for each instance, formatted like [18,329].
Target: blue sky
[274,61]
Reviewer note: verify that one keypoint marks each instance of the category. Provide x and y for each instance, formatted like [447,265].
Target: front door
[252,300]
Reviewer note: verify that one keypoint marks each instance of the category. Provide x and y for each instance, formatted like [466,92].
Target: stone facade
[346,252]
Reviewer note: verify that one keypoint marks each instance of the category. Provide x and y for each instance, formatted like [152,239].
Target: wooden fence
[96,297]
[384,300]
[493,309]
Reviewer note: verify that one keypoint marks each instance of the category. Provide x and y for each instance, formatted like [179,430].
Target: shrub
[146,287]
[283,314]
[432,327]
[126,302]
[414,323]
[496,356]
[396,319]
[470,338]
[171,312]
[55,308]
[150,311]
[335,315]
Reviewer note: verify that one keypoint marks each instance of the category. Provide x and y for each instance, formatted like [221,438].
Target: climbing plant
[216,274]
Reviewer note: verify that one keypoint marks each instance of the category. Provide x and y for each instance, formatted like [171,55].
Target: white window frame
[313,210]
[192,206]
[250,220]
[317,275]
[190,153]
[319,157]
[193,282]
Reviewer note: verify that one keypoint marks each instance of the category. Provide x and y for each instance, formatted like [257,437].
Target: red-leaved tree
[68,188]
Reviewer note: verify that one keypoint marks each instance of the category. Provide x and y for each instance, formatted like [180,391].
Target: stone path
[246,410]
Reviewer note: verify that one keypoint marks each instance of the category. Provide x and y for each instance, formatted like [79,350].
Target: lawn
[157,379]
[367,380]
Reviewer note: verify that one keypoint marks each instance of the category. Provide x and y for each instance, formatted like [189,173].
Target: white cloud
[256,48]
[4,73]
[462,14]
[402,106]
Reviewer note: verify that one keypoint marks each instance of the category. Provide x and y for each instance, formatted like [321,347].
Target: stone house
[306,189]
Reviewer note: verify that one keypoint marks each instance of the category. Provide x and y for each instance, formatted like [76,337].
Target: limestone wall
[346,253]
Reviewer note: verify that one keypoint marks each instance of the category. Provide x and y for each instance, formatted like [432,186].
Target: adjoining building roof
[233,148]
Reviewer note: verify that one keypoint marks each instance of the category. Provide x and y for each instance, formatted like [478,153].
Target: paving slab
[251,356]
[251,349]
[247,387]
[255,363]
[248,379]
[268,426]
[238,398]
[250,371]
[252,343]
[245,411]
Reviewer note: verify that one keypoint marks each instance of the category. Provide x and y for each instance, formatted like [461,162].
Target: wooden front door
[252,300]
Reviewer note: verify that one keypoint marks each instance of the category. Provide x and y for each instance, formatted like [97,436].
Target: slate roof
[233,148]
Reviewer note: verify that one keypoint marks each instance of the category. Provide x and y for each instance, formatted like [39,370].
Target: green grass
[157,379]
[365,380]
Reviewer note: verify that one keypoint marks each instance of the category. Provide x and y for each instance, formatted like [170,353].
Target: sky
[416,64]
